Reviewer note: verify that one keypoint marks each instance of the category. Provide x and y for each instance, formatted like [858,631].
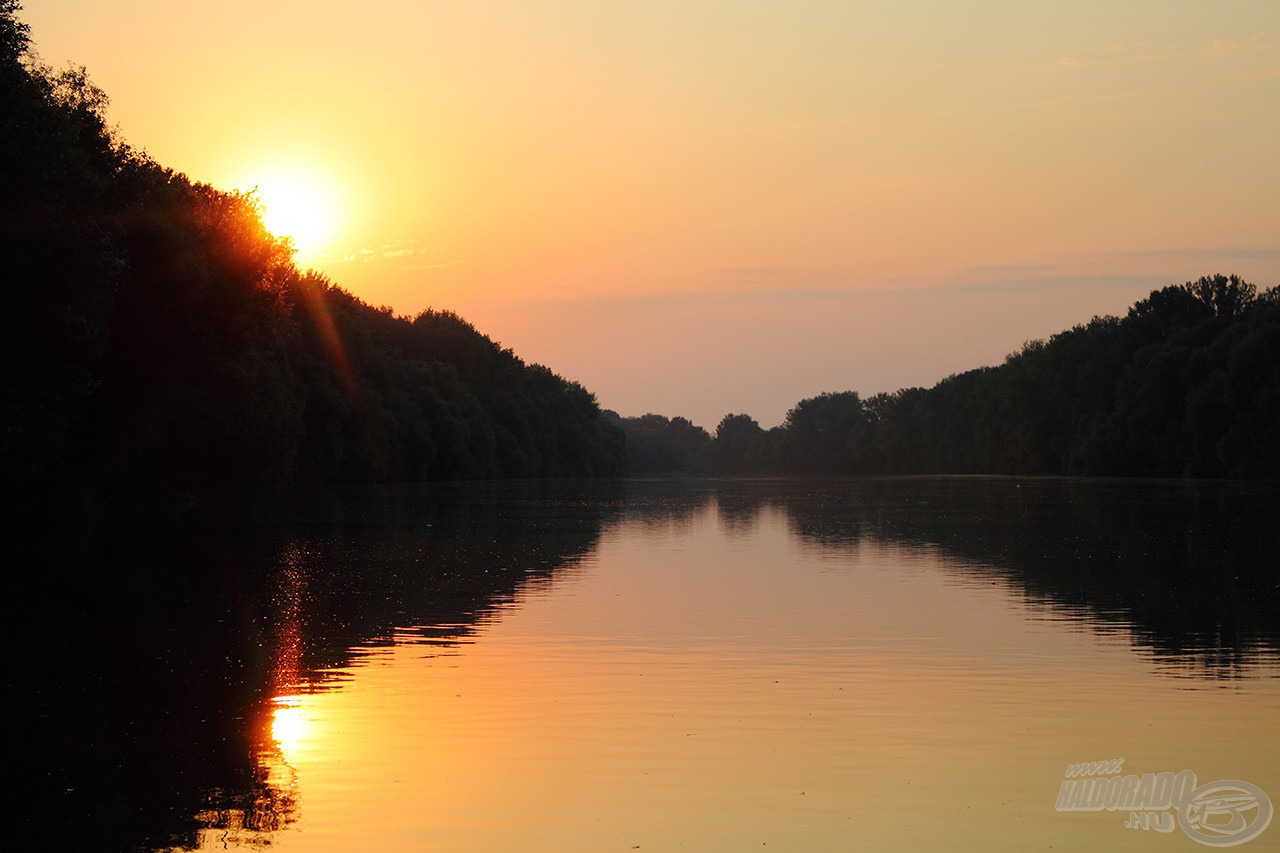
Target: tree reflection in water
[196,653]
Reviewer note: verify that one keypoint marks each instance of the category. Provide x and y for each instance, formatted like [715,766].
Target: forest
[160,350]
[1186,384]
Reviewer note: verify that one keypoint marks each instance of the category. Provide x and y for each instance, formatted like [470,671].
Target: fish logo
[1225,813]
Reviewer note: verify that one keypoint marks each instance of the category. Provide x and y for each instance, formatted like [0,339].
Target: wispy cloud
[390,251]
[441,265]
[1148,269]
[1251,253]
[1226,50]
[684,300]
[1115,55]
[1005,270]
[1110,55]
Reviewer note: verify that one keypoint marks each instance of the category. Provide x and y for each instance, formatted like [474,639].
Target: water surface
[904,664]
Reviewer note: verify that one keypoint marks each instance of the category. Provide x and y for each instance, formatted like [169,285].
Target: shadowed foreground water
[901,664]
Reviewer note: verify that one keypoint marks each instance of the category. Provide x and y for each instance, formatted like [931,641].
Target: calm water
[879,665]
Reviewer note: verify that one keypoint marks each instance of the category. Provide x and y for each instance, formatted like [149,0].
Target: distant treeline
[1186,384]
[159,346]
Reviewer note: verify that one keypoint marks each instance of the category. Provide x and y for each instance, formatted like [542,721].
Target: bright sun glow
[288,725]
[300,207]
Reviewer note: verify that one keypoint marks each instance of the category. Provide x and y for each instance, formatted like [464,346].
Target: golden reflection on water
[272,803]
[706,686]
[289,726]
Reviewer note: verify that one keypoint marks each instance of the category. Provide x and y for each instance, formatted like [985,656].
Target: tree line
[159,349]
[159,346]
[1186,384]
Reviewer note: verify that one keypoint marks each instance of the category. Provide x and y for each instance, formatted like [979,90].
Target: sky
[695,208]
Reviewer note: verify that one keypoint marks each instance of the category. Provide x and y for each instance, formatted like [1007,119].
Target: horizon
[703,211]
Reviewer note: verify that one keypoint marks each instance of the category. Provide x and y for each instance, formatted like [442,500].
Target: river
[897,664]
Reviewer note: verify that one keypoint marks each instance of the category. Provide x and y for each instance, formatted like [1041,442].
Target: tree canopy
[160,348]
[1186,384]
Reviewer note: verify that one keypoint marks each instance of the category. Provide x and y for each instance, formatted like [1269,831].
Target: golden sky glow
[703,207]
[298,205]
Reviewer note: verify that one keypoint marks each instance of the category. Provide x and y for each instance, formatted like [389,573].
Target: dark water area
[150,671]
[148,657]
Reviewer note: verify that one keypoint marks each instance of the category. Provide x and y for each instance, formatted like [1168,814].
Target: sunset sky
[696,208]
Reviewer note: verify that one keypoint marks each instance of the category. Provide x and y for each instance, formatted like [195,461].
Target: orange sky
[702,207]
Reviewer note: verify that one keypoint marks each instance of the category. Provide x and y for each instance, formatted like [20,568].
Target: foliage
[160,350]
[660,445]
[1187,384]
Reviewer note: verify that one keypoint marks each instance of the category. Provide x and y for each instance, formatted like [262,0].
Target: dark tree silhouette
[660,445]
[1186,384]
[160,351]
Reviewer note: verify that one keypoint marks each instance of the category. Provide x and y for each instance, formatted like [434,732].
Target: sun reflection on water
[289,726]
[253,819]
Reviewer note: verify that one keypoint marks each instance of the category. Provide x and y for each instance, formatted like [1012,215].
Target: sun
[300,207]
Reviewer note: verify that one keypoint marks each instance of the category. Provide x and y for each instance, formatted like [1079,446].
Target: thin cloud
[1252,253]
[1226,50]
[799,295]
[1001,270]
[1111,55]
[395,249]
[434,266]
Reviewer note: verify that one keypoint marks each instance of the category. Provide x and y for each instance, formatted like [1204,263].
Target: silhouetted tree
[660,445]
[1186,384]
[160,350]
[739,441]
